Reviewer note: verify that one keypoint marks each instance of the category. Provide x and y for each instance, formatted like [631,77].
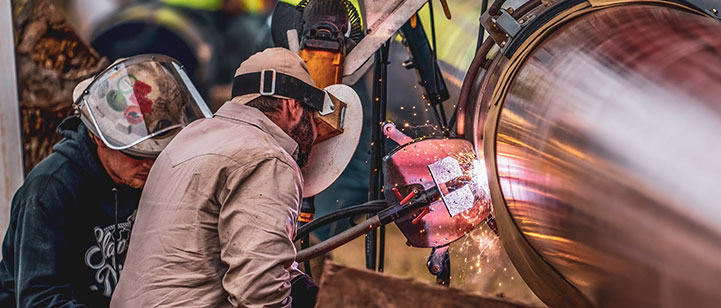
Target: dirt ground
[479,264]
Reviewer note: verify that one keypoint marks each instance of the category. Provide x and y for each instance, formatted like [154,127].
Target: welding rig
[584,132]
[581,131]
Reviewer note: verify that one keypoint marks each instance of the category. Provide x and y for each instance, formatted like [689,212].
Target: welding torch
[416,199]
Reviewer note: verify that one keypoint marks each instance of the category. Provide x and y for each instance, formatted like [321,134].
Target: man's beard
[302,133]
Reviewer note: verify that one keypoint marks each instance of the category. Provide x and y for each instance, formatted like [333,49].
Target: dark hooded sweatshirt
[60,246]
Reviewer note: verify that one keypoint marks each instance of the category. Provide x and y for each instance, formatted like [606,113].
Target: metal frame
[381,19]
[11,157]
[373,251]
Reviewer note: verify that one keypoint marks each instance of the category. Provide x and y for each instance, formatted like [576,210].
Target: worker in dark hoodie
[70,221]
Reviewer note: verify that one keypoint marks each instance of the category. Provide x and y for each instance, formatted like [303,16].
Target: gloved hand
[303,291]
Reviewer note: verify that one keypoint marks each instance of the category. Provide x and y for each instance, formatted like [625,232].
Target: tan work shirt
[217,218]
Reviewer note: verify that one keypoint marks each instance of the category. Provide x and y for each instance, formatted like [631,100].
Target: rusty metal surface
[608,155]
[50,60]
[407,167]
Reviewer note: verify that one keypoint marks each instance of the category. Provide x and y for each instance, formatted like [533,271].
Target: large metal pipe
[602,143]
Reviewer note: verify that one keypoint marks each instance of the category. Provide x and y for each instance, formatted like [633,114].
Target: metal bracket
[714,13]
[382,20]
[502,28]
[439,265]
[711,7]
[272,82]
[508,24]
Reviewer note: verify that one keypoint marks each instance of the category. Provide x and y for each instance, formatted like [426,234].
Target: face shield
[338,135]
[137,105]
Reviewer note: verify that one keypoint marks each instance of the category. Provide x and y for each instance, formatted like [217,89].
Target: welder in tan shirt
[217,218]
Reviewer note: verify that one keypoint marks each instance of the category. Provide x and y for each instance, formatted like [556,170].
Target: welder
[70,221]
[217,219]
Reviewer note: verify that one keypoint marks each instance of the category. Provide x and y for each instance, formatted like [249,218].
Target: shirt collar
[258,119]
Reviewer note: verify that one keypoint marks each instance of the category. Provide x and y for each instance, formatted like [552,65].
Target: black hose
[339,239]
[365,208]
[481,30]
[441,117]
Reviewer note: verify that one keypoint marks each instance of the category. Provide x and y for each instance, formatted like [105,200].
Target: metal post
[382,145]
[380,84]
[370,240]
[11,161]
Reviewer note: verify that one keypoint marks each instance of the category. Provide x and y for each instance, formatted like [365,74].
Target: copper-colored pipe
[606,147]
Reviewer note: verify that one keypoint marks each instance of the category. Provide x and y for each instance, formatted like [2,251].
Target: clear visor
[139,104]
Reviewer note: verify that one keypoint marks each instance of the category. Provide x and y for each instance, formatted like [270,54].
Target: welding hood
[337,111]
[338,116]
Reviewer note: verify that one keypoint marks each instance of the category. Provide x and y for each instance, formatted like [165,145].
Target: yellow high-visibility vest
[208,5]
[250,6]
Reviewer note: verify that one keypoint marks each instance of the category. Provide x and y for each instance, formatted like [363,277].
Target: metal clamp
[508,24]
[502,28]
[714,13]
[262,83]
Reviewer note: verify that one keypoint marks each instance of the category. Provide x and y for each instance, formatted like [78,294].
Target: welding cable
[440,117]
[470,79]
[338,240]
[480,59]
[386,216]
[370,207]
[481,31]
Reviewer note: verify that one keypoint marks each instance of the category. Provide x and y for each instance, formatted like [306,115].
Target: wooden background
[50,61]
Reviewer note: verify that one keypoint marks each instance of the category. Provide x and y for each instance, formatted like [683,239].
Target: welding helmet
[138,104]
[337,111]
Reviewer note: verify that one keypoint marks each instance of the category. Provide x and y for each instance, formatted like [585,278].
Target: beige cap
[281,60]
[329,158]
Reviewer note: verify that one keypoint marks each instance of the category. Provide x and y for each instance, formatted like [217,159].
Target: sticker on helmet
[102,90]
[116,100]
[133,115]
[141,91]
[125,83]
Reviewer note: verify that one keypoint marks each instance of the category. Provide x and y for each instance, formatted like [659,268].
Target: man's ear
[293,110]
[97,141]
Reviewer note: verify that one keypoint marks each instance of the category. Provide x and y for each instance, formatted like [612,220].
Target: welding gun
[416,199]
